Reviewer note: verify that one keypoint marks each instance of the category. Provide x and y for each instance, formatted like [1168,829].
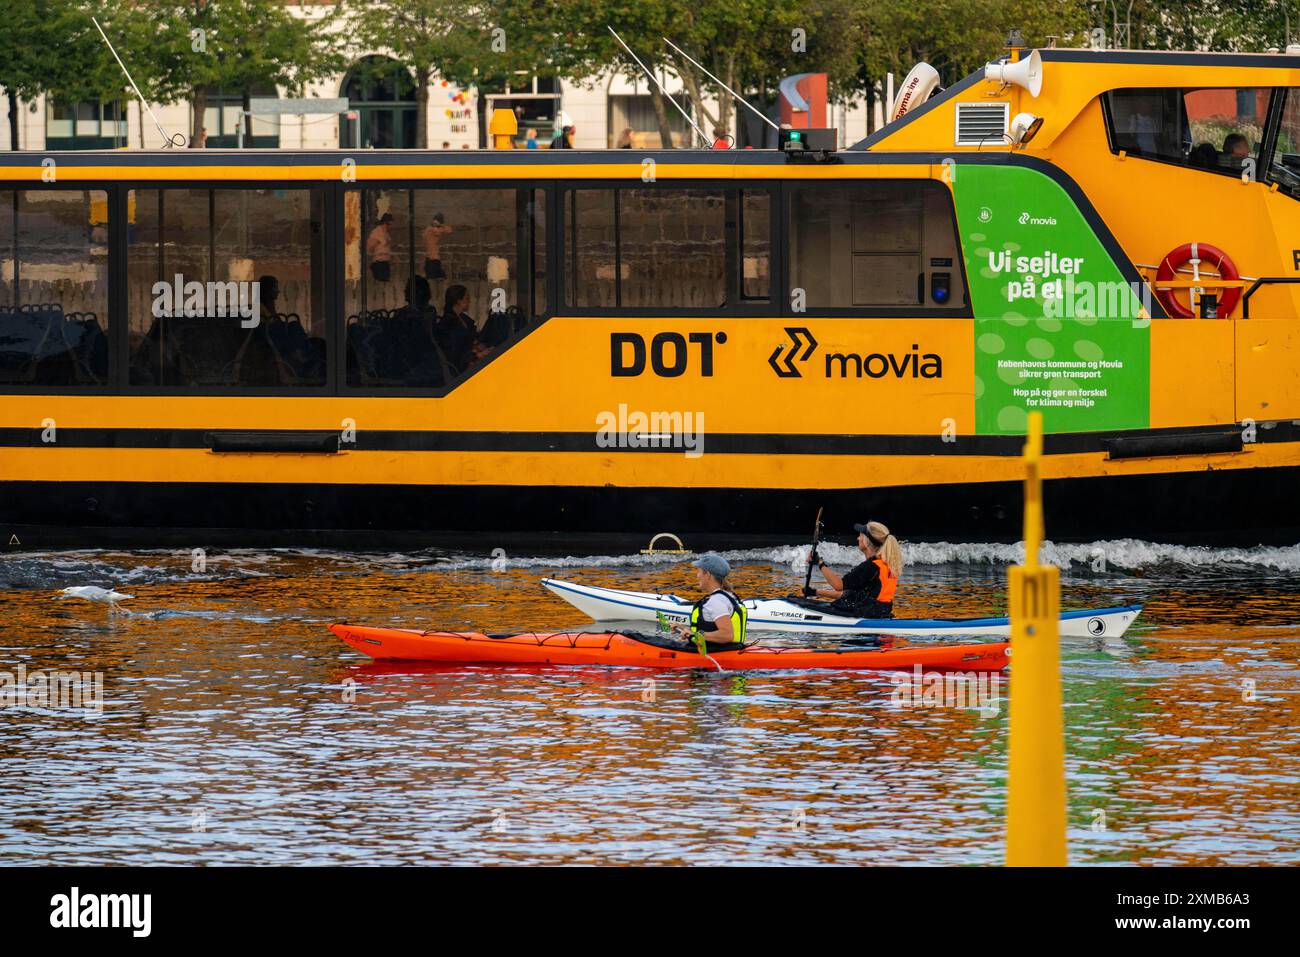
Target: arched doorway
[381,93]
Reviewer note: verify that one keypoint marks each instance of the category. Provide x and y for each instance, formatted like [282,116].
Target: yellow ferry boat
[374,345]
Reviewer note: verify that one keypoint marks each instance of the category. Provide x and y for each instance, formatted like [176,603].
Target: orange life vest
[888,581]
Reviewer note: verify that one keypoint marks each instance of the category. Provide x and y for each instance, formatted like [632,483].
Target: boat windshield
[1251,132]
[1219,130]
[1284,167]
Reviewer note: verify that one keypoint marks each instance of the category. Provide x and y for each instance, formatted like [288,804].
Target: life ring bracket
[1197,254]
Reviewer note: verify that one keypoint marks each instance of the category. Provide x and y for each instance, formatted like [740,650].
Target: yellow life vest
[739,617]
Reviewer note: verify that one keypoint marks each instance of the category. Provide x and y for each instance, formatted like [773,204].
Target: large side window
[661,248]
[437,280]
[54,287]
[225,288]
[1219,130]
[883,244]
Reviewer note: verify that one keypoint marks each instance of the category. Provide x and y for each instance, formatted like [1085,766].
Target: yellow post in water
[1036,750]
[502,128]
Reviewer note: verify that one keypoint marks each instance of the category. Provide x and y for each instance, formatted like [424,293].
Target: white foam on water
[52,569]
[1127,553]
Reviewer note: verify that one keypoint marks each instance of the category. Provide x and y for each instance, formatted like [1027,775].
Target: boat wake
[54,570]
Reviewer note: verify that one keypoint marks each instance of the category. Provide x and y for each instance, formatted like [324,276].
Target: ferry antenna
[168,139]
[737,96]
[704,139]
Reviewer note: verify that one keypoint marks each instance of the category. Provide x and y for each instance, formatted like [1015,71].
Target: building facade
[382,114]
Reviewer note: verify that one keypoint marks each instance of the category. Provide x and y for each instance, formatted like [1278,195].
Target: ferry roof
[209,166]
[1072,79]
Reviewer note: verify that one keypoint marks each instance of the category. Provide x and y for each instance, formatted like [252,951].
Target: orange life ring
[1208,255]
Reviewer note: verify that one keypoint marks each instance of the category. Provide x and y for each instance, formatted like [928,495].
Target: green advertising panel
[1058,329]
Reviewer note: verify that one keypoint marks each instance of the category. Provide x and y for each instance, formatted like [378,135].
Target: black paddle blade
[817,537]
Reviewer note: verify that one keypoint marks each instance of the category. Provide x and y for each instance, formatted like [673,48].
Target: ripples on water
[236,729]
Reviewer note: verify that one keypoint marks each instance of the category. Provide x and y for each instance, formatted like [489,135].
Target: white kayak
[783,614]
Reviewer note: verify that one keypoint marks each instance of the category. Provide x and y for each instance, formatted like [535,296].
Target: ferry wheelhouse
[377,345]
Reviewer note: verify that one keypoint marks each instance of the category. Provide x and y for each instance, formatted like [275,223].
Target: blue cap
[714,564]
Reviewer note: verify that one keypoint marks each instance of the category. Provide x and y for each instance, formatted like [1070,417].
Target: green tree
[1221,25]
[52,47]
[571,38]
[959,36]
[233,45]
[748,44]
[449,36]
[752,45]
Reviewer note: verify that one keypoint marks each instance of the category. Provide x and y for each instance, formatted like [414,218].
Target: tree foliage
[179,49]
[959,36]
[447,37]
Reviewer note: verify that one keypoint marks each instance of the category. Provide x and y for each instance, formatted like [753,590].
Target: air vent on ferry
[982,124]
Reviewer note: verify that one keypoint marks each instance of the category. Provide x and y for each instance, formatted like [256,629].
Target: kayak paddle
[817,537]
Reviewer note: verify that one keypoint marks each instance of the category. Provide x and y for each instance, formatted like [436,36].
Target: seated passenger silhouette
[1204,156]
[397,349]
[299,358]
[419,300]
[456,333]
[1236,150]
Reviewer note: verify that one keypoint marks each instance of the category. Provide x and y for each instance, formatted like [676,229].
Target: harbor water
[230,727]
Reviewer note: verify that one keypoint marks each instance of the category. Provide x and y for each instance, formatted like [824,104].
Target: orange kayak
[627,650]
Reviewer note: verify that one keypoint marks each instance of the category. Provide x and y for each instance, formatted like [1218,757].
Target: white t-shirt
[716,607]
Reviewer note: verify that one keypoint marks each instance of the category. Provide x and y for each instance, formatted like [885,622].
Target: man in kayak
[866,591]
[718,618]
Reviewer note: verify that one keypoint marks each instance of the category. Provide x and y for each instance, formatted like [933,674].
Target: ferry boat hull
[1207,507]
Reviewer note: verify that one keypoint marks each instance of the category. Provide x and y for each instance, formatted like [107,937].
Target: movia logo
[1027,220]
[846,365]
[785,368]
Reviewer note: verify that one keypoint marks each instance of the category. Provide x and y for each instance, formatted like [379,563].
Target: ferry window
[225,288]
[874,244]
[755,244]
[1217,129]
[591,248]
[439,279]
[54,287]
[1285,167]
[647,248]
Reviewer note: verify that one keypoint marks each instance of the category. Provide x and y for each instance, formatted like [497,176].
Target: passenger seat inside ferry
[42,345]
[218,350]
[395,350]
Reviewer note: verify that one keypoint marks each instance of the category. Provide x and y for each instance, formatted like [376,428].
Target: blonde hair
[890,552]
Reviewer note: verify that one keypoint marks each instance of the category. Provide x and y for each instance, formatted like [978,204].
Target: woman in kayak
[866,591]
[718,618]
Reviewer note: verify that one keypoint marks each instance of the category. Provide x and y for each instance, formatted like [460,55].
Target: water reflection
[237,730]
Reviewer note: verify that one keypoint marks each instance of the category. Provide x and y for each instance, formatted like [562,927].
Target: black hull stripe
[1211,506]
[1193,440]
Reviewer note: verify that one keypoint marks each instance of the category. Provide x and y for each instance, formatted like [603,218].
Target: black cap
[864,529]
